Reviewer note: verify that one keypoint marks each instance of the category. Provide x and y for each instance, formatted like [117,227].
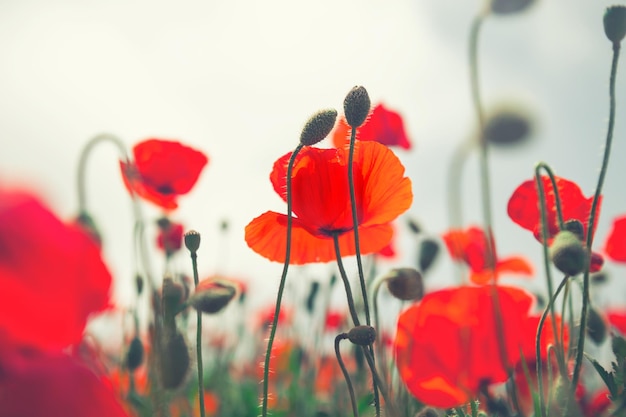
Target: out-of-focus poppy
[447,346]
[617,318]
[599,405]
[383,126]
[163,170]
[523,207]
[334,320]
[470,246]
[35,383]
[322,208]
[51,274]
[615,246]
[170,237]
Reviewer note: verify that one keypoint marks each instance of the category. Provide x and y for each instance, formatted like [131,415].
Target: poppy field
[370,336]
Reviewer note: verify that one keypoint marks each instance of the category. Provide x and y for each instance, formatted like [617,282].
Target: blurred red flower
[383,126]
[34,383]
[321,204]
[170,237]
[447,345]
[163,170]
[617,318]
[615,246]
[470,246]
[51,274]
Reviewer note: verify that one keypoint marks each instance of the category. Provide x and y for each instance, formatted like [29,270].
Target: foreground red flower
[615,246]
[470,246]
[51,274]
[163,170]
[447,345]
[321,204]
[383,126]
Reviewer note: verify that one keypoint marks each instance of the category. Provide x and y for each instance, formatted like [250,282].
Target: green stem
[196,280]
[346,375]
[281,286]
[346,282]
[592,216]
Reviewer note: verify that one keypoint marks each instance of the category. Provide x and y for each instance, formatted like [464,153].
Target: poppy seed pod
[174,361]
[568,253]
[212,296]
[134,356]
[596,326]
[318,127]
[356,106]
[405,283]
[362,335]
[192,241]
[507,126]
[615,23]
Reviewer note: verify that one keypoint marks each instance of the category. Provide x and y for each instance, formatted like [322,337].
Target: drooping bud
[615,23]
[192,241]
[212,295]
[172,298]
[318,127]
[505,7]
[174,361]
[507,126]
[405,283]
[356,106]
[134,356]
[362,335]
[429,249]
[596,326]
[568,253]
[575,226]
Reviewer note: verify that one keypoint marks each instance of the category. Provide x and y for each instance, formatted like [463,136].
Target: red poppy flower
[334,320]
[36,384]
[523,207]
[163,170]
[617,318]
[321,204]
[51,274]
[170,237]
[599,405]
[615,246]
[383,126]
[447,345]
[470,246]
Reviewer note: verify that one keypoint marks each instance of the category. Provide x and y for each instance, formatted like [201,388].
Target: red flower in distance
[447,345]
[51,274]
[470,246]
[321,204]
[163,170]
[523,207]
[383,126]
[615,246]
[170,237]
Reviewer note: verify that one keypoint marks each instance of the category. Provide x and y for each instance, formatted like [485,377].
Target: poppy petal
[615,246]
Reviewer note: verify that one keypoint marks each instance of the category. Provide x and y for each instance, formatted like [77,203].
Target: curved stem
[281,286]
[200,366]
[557,196]
[346,375]
[346,282]
[592,216]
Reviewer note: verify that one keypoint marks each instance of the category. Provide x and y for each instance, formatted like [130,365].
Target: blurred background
[238,79]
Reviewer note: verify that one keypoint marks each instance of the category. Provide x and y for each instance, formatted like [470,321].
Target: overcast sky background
[237,80]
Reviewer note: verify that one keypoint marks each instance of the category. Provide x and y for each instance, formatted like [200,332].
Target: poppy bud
[310,300]
[599,278]
[172,297]
[192,241]
[405,283]
[318,127]
[575,226]
[505,7]
[429,249]
[507,126]
[356,106]
[174,361]
[568,253]
[427,412]
[414,226]
[134,356]
[596,326]
[615,23]
[362,335]
[211,296]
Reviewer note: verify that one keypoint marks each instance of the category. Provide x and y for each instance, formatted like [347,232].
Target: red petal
[615,246]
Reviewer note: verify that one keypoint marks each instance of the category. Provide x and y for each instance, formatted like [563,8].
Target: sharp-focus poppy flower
[321,204]
[51,274]
[163,170]
[615,246]
[523,207]
[447,346]
[383,126]
[470,246]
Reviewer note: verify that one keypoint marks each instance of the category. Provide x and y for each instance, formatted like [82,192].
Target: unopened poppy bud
[575,226]
[427,412]
[504,7]
[568,253]
[596,326]
[192,241]
[172,297]
[507,126]
[429,249]
[615,23]
[362,335]
[405,283]
[211,296]
[356,106]
[318,127]
[134,356]
[174,361]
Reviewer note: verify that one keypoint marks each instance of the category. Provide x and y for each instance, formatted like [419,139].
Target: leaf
[607,377]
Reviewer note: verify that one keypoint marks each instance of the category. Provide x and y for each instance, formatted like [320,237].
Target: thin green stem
[346,282]
[200,366]
[281,286]
[367,352]
[346,375]
[557,196]
[592,216]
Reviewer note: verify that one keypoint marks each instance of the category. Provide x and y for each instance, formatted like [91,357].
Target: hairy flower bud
[429,249]
[362,335]
[318,127]
[596,326]
[568,253]
[134,356]
[356,106]
[405,283]
[192,241]
[615,23]
[576,227]
[212,295]
[174,361]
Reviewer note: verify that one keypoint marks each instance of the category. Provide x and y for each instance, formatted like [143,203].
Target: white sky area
[238,79]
